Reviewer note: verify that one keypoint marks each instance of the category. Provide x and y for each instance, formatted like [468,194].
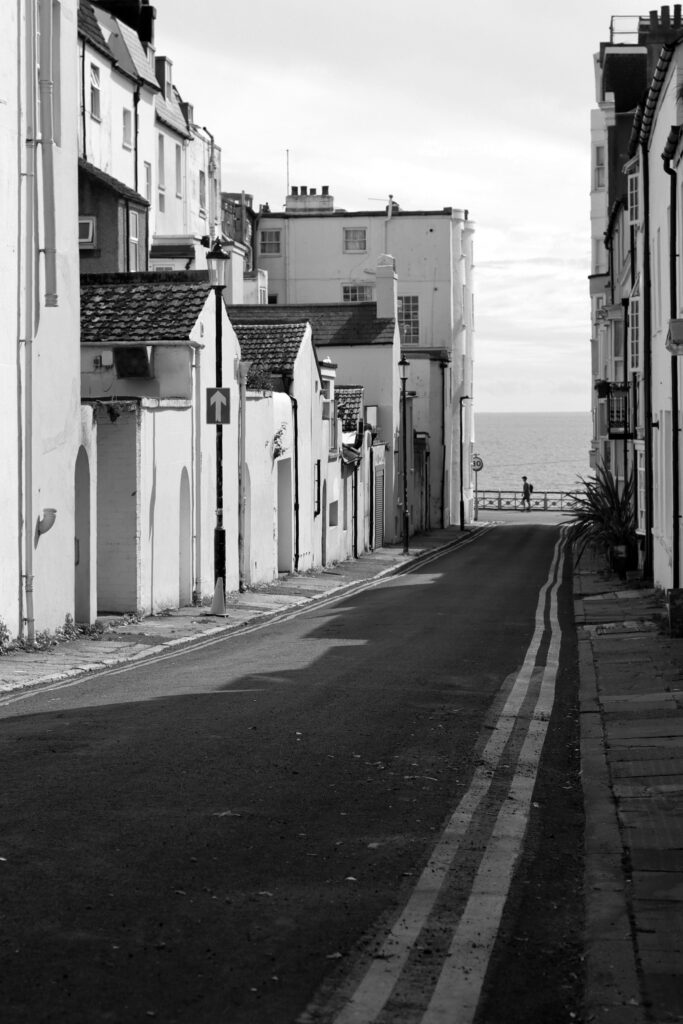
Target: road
[316,821]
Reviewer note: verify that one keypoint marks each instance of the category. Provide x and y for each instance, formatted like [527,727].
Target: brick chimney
[386,292]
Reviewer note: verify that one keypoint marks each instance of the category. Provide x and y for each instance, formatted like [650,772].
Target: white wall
[10,303]
[666,115]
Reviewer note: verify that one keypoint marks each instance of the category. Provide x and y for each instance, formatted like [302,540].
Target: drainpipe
[47,147]
[136,134]
[354,488]
[84,120]
[647,365]
[31,318]
[372,497]
[676,540]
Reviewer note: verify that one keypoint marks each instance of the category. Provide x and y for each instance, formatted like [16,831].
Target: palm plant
[603,515]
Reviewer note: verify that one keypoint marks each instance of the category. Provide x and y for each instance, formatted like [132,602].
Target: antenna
[287,172]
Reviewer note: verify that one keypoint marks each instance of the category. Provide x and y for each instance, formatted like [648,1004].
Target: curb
[261,617]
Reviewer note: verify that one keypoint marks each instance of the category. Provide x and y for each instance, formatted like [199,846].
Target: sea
[550,448]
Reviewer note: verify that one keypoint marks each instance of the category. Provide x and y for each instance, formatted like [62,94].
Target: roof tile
[139,307]
[332,323]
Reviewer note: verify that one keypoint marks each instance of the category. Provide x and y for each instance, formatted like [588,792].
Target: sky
[481,105]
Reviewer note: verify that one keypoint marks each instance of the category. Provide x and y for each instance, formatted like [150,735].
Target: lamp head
[403,368]
[217,263]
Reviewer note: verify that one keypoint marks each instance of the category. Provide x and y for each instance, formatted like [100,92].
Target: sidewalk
[631,694]
[127,641]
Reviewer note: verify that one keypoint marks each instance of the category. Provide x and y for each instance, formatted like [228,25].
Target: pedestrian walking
[527,491]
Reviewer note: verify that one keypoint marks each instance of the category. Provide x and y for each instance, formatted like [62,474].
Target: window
[127,129]
[355,240]
[262,296]
[640,483]
[633,208]
[634,331]
[618,409]
[178,171]
[270,242]
[599,167]
[357,293]
[330,411]
[95,108]
[86,232]
[161,173]
[133,241]
[202,194]
[148,182]
[408,319]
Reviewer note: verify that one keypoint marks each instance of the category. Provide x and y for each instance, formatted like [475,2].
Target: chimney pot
[295,190]
[666,20]
[326,190]
[304,190]
[313,192]
[677,15]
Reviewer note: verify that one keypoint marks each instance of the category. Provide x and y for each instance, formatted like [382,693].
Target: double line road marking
[456,994]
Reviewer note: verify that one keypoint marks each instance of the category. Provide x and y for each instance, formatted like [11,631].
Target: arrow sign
[218,405]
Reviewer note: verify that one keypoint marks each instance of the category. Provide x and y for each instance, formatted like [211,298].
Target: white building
[316,253]
[44,479]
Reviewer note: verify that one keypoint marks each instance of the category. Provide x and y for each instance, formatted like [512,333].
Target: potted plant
[603,516]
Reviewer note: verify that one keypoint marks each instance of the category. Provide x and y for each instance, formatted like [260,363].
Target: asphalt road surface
[367,813]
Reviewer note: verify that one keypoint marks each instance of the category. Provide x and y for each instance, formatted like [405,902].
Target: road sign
[477,463]
[218,405]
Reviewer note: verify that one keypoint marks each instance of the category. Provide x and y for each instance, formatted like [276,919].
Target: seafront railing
[511,501]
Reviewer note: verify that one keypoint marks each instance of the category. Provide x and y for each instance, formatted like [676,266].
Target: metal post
[219,531]
[406,525]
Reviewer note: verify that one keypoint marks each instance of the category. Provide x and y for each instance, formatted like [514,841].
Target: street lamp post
[217,262]
[403,371]
[463,398]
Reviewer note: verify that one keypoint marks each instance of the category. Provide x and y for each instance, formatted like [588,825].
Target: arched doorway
[184,542]
[82,609]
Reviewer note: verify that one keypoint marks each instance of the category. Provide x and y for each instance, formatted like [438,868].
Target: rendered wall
[10,303]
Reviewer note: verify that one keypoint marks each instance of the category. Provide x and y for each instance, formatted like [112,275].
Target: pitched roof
[341,323]
[274,346]
[140,308]
[113,184]
[169,112]
[125,45]
[349,404]
[89,28]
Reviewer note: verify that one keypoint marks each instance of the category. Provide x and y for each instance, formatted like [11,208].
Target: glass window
[178,170]
[270,242]
[633,206]
[133,241]
[634,331]
[161,173]
[86,232]
[409,318]
[148,182]
[357,293]
[599,166]
[95,108]
[202,193]
[355,240]
[127,128]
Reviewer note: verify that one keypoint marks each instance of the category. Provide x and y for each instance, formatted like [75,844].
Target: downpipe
[675,474]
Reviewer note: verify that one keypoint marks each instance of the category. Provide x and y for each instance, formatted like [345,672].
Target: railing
[511,501]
